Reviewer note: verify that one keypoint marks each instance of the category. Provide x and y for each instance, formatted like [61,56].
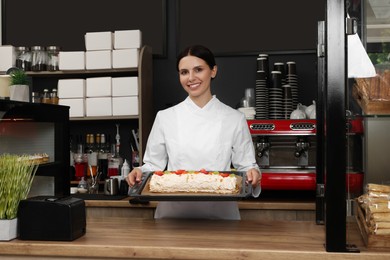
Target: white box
[98,60]
[126,58]
[98,106]
[71,88]
[7,57]
[71,60]
[98,87]
[77,106]
[124,86]
[125,106]
[127,39]
[98,41]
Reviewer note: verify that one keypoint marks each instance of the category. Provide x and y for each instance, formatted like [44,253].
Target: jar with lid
[52,57]
[46,96]
[39,58]
[35,97]
[23,58]
[54,96]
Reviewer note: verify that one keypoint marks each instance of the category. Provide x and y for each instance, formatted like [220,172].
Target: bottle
[54,96]
[80,162]
[92,156]
[46,96]
[116,161]
[125,170]
[72,170]
[102,157]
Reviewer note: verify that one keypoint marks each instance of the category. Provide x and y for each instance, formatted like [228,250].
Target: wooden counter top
[133,238]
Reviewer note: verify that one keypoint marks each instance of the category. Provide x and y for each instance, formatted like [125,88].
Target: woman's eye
[198,69]
[183,72]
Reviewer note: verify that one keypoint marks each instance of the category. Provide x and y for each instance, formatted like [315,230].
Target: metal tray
[141,192]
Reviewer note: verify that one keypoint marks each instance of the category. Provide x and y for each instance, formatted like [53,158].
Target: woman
[200,132]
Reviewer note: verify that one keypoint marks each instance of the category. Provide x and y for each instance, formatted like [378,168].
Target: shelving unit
[145,117]
[27,128]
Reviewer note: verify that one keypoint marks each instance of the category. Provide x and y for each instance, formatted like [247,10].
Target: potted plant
[19,85]
[16,176]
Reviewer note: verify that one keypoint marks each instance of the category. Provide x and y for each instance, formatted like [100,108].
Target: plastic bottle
[125,170]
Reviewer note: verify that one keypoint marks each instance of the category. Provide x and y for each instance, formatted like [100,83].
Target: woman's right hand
[134,177]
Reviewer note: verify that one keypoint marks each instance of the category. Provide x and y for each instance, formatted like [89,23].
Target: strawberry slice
[203,171]
[224,174]
[159,173]
[180,171]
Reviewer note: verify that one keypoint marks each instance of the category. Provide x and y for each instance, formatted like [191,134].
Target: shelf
[80,72]
[97,118]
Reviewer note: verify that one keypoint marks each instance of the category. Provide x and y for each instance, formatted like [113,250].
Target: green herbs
[19,77]
[16,176]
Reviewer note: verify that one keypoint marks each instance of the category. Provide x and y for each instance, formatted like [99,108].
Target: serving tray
[142,192]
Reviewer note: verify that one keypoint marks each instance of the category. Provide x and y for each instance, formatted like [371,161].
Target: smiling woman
[200,132]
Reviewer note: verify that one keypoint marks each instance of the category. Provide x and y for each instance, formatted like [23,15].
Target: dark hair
[197,51]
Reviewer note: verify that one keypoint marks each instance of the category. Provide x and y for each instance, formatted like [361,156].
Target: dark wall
[26,23]
[235,73]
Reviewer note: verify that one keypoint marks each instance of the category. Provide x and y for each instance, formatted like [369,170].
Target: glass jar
[46,96]
[54,96]
[23,58]
[35,97]
[52,57]
[39,58]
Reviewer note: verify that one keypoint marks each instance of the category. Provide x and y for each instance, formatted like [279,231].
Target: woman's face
[195,76]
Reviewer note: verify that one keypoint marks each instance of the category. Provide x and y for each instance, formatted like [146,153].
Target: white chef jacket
[188,137]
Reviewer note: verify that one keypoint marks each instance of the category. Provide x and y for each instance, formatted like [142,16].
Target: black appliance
[51,218]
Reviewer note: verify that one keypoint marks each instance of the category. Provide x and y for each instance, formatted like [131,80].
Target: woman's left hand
[253,176]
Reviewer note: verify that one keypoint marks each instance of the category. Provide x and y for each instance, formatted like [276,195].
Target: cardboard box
[7,57]
[125,106]
[98,87]
[98,41]
[126,58]
[98,106]
[127,39]
[71,60]
[71,88]
[124,86]
[77,106]
[98,60]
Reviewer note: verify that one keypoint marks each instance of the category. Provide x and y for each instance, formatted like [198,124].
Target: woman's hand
[134,177]
[253,176]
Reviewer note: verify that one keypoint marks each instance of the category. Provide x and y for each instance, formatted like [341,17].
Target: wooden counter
[133,238]
[251,209]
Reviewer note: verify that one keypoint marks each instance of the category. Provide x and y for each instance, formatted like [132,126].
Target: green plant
[19,77]
[16,176]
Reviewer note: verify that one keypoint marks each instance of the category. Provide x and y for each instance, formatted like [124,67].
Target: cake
[194,182]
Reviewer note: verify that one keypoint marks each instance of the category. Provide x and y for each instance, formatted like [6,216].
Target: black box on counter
[51,218]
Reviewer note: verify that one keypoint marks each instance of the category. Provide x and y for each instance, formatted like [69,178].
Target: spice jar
[35,98]
[23,58]
[52,57]
[46,96]
[54,97]
[39,58]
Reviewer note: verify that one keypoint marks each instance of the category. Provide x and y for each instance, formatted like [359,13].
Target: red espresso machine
[286,153]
